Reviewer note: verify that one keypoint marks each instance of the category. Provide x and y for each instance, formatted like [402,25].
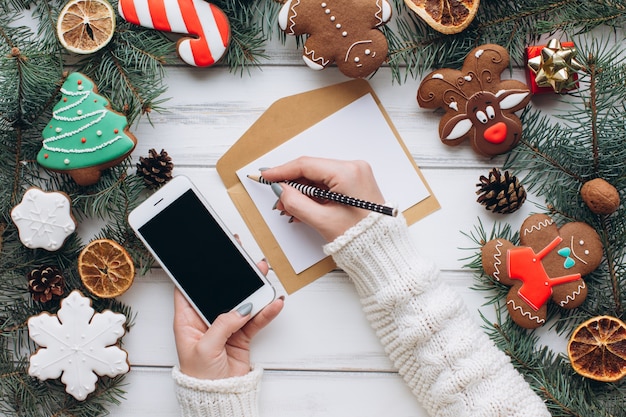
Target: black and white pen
[320,193]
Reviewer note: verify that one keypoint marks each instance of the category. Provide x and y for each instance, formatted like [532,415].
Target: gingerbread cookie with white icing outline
[341,31]
[44,219]
[479,105]
[548,265]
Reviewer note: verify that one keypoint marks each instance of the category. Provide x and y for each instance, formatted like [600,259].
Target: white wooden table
[320,355]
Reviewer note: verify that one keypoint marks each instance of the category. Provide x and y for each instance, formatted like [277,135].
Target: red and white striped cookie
[205,21]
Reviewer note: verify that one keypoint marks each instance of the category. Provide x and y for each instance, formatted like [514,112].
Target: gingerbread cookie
[85,136]
[341,31]
[479,105]
[44,219]
[78,345]
[548,265]
[205,22]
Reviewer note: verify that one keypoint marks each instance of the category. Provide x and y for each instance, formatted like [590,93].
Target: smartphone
[193,245]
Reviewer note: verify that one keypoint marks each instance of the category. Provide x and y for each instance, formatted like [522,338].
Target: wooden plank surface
[320,355]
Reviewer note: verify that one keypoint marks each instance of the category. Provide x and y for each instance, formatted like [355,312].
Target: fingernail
[263,169]
[245,309]
[278,190]
[275,204]
[291,219]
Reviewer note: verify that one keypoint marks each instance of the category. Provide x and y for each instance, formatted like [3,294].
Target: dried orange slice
[85,26]
[597,349]
[105,268]
[445,16]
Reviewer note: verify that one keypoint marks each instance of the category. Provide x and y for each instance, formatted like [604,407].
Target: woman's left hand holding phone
[223,349]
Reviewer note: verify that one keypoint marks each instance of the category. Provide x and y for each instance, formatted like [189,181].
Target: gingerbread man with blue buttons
[341,31]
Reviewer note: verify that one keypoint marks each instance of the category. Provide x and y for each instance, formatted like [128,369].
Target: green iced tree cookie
[84,136]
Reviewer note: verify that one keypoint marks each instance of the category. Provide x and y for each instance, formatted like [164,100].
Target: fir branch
[415,47]
[557,155]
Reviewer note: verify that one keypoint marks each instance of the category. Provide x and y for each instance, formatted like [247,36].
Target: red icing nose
[496,133]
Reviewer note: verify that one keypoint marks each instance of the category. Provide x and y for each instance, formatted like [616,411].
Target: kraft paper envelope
[283,120]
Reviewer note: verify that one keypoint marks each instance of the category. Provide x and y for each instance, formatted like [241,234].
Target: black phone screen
[201,257]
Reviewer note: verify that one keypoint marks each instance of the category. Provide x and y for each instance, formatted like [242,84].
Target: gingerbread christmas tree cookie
[85,136]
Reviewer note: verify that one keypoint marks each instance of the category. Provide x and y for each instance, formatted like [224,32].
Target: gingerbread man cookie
[479,105]
[341,31]
[548,265]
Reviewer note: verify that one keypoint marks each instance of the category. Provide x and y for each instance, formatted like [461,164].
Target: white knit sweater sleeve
[446,359]
[230,397]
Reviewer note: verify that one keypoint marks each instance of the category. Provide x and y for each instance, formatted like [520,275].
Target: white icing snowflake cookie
[44,219]
[78,344]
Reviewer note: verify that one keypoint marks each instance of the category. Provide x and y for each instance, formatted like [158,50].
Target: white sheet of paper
[357,131]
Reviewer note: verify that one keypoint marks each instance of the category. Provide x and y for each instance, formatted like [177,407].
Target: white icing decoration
[58,130]
[283,14]
[356,59]
[79,112]
[538,226]
[352,46]
[95,116]
[323,4]
[344,34]
[66,161]
[460,129]
[511,100]
[367,52]
[498,260]
[437,76]
[454,105]
[479,53]
[338,25]
[581,242]
[333,18]
[468,78]
[327,11]
[77,344]
[99,133]
[384,11]
[573,295]
[43,219]
[316,63]
[80,88]
[528,314]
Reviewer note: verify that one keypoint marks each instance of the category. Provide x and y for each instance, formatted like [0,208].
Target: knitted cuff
[230,397]
[376,248]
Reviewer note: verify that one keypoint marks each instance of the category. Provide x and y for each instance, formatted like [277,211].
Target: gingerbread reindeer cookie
[548,265]
[341,31]
[479,105]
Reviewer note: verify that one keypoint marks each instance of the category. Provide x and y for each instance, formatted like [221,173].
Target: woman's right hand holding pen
[353,178]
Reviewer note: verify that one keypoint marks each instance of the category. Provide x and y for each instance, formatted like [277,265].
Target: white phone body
[203,258]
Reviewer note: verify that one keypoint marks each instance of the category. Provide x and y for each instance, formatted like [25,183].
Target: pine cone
[500,193]
[46,283]
[156,169]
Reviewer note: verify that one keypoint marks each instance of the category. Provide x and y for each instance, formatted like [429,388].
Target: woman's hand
[222,350]
[353,178]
